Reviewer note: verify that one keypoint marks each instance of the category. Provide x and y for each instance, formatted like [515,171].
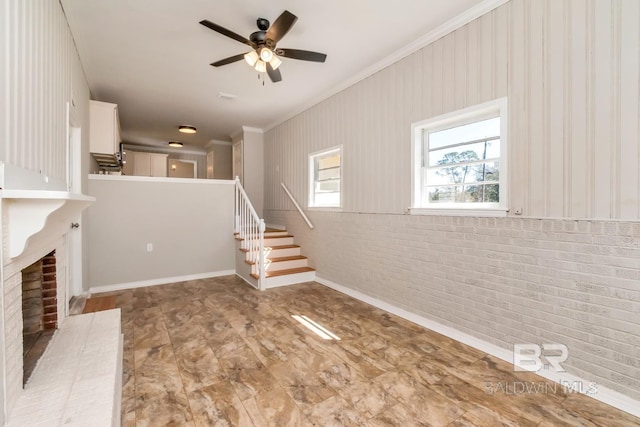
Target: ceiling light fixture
[258,59]
[187,129]
[175,144]
[251,58]
[266,54]
[275,62]
[261,66]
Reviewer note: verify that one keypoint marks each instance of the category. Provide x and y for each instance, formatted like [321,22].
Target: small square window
[460,163]
[325,172]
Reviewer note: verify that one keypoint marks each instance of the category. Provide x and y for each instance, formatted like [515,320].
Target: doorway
[183,168]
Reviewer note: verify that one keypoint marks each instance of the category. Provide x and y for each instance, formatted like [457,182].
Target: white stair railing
[295,203]
[250,228]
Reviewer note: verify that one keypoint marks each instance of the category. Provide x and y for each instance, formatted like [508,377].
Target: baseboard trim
[604,395]
[161,281]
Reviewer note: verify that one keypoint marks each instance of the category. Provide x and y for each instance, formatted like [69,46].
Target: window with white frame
[325,172]
[460,161]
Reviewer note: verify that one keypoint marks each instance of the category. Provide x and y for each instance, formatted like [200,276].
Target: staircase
[265,258]
[284,264]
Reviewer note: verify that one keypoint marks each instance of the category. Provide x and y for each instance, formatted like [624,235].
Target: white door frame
[73,276]
[195,165]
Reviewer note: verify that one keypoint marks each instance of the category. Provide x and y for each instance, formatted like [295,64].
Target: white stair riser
[290,279]
[279,253]
[287,265]
[276,233]
[274,241]
[278,241]
[282,265]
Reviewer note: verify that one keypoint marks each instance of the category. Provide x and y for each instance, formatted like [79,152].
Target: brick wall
[39,299]
[502,280]
[12,307]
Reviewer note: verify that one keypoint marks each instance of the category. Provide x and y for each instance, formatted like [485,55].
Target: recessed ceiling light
[187,129]
[175,144]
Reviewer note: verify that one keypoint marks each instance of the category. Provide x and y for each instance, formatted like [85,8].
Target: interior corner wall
[222,162]
[253,167]
[567,270]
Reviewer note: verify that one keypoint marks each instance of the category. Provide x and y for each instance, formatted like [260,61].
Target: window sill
[499,213]
[324,208]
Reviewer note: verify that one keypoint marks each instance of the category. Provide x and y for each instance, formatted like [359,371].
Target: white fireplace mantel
[35,215]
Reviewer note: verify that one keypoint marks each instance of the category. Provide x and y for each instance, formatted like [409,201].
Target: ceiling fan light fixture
[275,62]
[251,58]
[176,144]
[187,129]
[266,54]
[261,67]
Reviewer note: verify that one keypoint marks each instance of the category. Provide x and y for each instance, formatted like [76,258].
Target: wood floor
[218,352]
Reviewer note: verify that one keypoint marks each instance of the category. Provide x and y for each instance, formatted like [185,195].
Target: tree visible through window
[461,159]
[464,171]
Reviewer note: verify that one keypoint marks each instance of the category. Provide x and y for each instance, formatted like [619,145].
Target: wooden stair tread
[281,259]
[275,247]
[283,247]
[287,258]
[268,237]
[284,272]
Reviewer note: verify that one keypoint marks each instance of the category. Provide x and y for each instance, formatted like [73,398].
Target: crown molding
[437,33]
[213,142]
[250,129]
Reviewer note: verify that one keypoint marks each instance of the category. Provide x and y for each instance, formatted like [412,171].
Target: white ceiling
[151,57]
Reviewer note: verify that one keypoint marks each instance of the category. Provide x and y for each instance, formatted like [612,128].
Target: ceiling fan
[265,57]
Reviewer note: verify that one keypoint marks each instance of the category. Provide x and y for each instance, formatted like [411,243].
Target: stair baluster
[250,228]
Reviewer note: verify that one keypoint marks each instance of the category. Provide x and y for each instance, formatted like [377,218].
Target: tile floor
[217,352]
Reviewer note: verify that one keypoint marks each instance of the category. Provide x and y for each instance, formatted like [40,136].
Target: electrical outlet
[149,247]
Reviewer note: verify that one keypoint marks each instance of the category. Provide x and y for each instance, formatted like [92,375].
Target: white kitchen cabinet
[104,131]
[146,164]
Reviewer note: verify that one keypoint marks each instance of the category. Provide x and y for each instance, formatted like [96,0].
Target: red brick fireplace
[39,309]
[39,298]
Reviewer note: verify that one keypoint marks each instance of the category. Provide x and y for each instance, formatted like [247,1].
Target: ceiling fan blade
[228,60]
[274,75]
[303,55]
[217,28]
[281,26]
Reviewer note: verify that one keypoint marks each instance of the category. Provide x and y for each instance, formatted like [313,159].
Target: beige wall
[189,223]
[200,158]
[253,166]
[222,161]
[570,71]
